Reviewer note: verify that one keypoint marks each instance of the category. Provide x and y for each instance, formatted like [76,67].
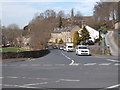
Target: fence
[100,50]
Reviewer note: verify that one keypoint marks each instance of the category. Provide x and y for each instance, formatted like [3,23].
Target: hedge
[24,54]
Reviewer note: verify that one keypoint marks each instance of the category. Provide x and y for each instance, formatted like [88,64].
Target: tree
[10,34]
[40,32]
[78,14]
[106,11]
[13,27]
[61,41]
[76,38]
[61,14]
[50,13]
[72,12]
[84,35]
[60,22]
[104,30]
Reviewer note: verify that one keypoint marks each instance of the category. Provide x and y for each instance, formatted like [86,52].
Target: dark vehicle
[90,42]
[55,47]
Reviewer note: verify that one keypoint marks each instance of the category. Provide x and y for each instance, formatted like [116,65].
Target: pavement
[61,69]
[111,42]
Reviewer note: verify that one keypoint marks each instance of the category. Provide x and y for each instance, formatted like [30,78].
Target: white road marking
[106,64]
[18,86]
[112,60]
[1,77]
[47,64]
[35,84]
[35,64]
[12,77]
[87,64]
[114,86]
[68,80]
[34,78]
[72,62]
[41,78]
[116,64]
[69,59]
[75,64]
[23,77]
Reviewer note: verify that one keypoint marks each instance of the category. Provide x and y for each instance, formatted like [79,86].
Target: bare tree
[61,14]
[106,11]
[10,34]
[40,32]
[50,13]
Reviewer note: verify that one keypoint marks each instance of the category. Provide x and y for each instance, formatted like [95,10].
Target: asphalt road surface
[61,69]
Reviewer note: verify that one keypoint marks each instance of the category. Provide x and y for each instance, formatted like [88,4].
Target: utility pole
[99,38]
[103,43]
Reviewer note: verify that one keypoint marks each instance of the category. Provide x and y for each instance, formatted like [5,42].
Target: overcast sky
[21,12]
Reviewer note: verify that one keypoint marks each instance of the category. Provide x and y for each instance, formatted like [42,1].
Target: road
[111,42]
[61,69]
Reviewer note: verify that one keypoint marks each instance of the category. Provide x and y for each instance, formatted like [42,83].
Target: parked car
[55,47]
[64,48]
[90,42]
[82,50]
[61,47]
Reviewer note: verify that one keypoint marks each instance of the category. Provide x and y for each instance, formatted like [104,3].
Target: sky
[21,12]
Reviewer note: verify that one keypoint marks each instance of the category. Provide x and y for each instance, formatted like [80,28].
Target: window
[70,47]
[83,47]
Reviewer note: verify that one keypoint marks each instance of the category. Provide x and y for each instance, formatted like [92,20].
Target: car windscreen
[83,47]
[70,47]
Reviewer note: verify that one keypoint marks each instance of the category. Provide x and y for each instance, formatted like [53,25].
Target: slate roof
[68,29]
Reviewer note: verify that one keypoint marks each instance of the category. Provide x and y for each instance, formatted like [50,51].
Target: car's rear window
[83,47]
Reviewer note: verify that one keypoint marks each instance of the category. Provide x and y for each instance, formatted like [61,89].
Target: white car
[82,50]
[61,47]
[64,48]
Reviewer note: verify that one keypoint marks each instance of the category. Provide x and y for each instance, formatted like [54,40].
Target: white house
[117,25]
[94,34]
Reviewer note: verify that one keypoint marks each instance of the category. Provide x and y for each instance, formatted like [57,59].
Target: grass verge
[13,49]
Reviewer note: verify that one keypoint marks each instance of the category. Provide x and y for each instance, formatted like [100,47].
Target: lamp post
[103,43]
[99,37]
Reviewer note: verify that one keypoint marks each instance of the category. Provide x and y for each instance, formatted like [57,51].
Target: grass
[12,49]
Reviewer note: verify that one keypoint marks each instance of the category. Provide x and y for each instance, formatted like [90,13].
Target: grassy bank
[13,49]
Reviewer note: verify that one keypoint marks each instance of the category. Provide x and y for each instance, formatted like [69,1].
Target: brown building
[66,34]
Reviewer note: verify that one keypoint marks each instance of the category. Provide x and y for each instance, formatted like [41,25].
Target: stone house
[66,34]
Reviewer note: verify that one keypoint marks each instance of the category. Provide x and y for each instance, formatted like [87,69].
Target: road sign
[100,30]
[103,35]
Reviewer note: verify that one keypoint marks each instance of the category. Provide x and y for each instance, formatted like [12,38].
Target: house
[23,41]
[66,34]
[94,34]
[117,25]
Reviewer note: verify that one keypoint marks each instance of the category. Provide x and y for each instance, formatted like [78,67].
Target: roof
[68,29]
